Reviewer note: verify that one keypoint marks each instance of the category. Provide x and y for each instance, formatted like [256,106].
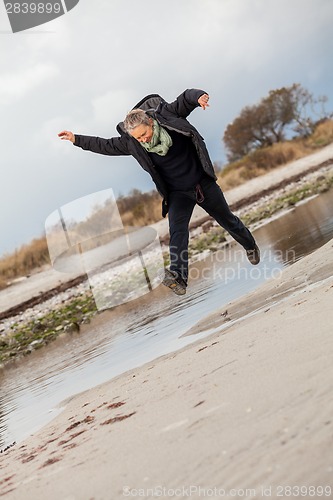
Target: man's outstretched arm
[187,102]
[112,147]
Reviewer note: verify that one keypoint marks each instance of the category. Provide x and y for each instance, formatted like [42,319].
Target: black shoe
[253,255]
[174,282]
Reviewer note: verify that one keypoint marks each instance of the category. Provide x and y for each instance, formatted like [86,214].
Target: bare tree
[284,111]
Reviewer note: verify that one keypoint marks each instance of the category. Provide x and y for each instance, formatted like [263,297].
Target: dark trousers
[181,205]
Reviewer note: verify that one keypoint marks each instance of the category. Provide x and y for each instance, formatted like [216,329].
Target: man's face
[143,133]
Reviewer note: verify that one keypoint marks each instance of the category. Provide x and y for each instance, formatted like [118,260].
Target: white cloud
[111,108]
[17,85]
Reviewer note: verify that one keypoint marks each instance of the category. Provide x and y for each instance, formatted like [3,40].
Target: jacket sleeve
[116,146]
[185,102]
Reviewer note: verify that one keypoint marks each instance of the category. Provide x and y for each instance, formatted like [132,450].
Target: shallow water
[146,328]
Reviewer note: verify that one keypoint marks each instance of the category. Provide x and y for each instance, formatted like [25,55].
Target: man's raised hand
[66,135]
[203,101]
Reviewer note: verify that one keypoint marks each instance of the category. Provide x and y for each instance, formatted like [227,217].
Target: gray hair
[135,118]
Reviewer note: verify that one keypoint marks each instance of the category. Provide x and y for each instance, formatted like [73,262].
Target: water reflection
[139,331]
[302,229]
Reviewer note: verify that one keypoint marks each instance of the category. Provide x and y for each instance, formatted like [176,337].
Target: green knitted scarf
[160,142]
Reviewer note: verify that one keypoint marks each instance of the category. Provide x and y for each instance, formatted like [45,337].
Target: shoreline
[67,307]
[236,409]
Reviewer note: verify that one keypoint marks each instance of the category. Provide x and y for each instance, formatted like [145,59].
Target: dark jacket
[170,116]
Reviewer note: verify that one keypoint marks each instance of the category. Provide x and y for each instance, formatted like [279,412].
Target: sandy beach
[245,412]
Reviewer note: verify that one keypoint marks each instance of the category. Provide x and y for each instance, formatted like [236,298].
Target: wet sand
[248,410]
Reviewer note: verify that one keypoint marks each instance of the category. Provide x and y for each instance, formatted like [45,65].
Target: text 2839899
[33,8]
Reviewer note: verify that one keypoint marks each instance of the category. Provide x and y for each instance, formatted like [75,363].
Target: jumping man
[158,135]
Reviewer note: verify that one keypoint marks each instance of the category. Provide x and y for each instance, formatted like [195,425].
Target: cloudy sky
[86,69]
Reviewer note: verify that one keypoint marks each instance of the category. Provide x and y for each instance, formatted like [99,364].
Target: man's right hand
[65,135]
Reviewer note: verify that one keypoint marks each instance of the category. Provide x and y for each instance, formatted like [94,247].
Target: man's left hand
[203,101]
